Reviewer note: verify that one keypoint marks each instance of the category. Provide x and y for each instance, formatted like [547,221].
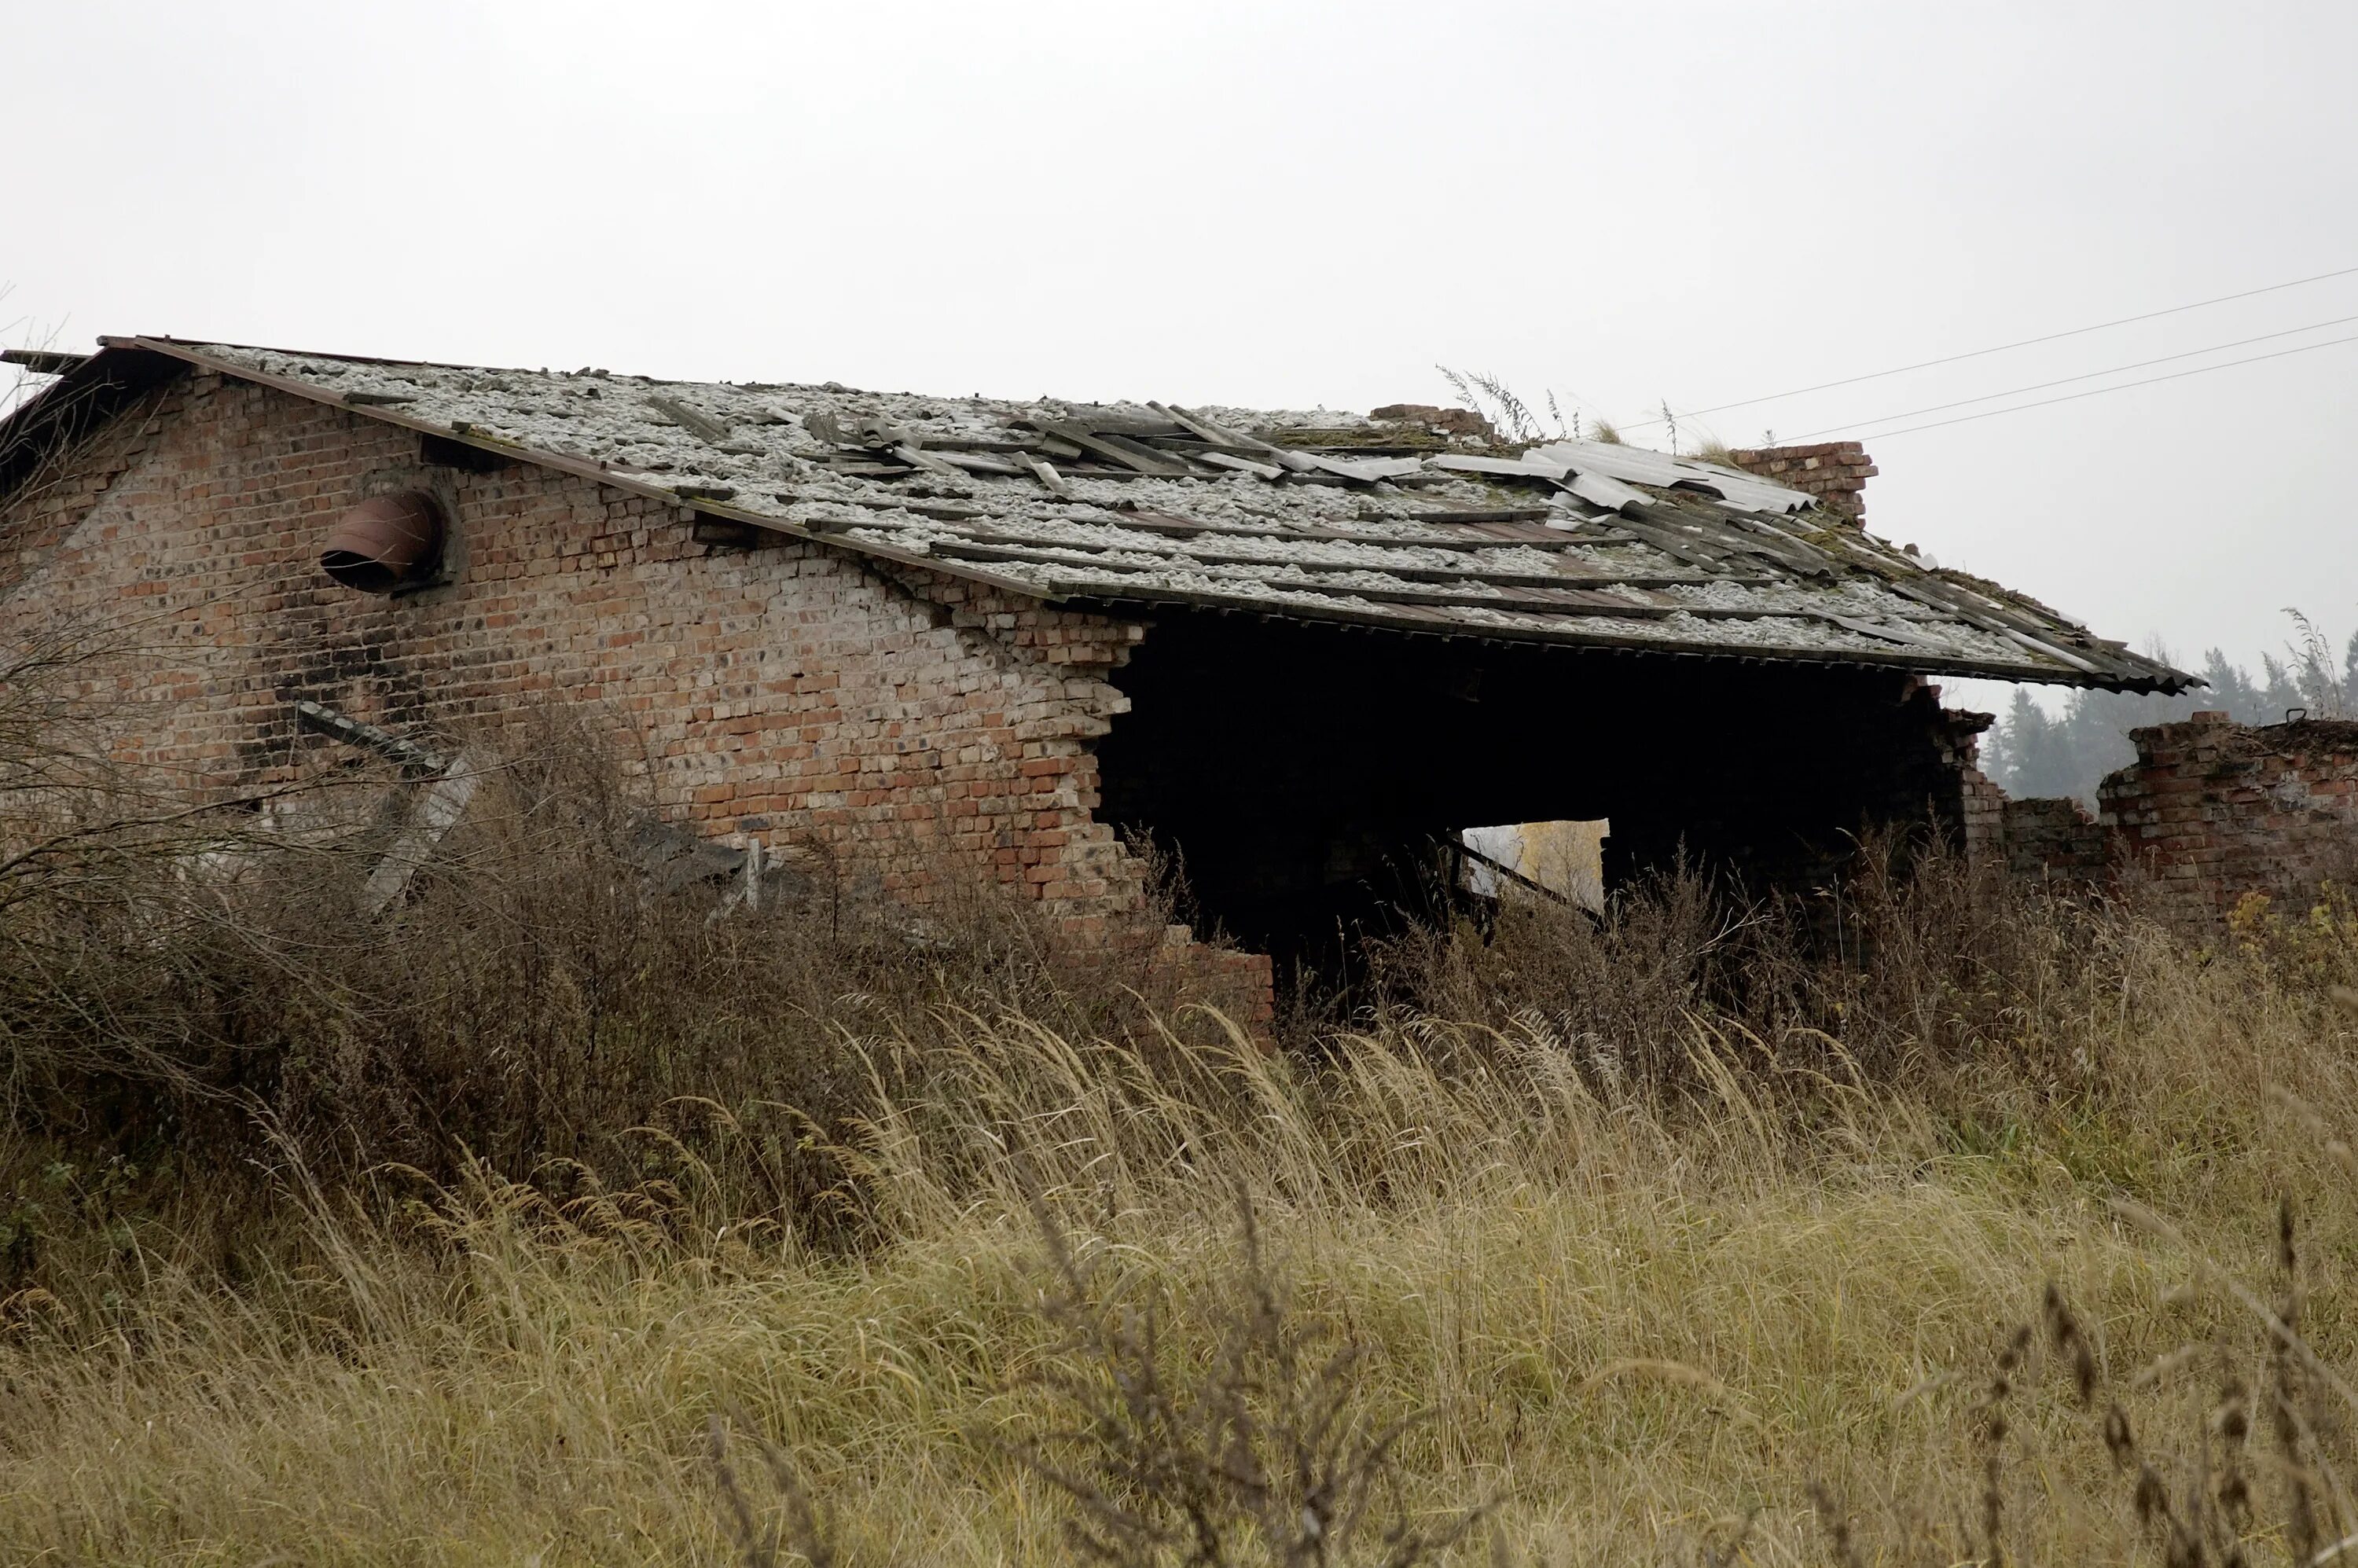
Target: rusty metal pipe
[386,543]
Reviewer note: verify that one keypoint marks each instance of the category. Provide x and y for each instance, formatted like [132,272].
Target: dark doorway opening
[1305,774]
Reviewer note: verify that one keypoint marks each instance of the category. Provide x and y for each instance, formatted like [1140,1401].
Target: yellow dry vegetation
[1568,857]
[1635,1323]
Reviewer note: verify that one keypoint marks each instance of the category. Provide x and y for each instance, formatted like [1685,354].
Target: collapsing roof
[1301,515]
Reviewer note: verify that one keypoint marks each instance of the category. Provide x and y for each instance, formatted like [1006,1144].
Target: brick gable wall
[58,494]
[786,693]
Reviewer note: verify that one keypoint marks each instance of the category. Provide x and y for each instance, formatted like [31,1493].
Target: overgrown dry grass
[1656,1228]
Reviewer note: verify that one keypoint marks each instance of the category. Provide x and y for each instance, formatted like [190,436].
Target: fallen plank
[1131,455]
[917,458]
[1723,535]
[437,811]
[43,362]
[977,462]
[1204,430]
[325,720]
[702,426]
[1502,869]
[1241,465]
[1490,514]
[1045,472]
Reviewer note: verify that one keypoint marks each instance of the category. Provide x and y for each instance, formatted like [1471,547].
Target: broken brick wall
[789,693]
[2213,810]
[1955,795]
[2052,840]
[1981,810]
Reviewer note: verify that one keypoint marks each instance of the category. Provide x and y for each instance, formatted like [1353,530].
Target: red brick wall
[1964,802]
[1984,809]
[60,492]
[789,693]
[2214,810]
[1835,471]
[2054,839]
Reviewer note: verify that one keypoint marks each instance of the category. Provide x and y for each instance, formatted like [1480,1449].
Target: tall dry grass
[462,1232]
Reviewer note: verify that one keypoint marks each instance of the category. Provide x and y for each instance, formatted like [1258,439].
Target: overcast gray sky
[1288,204]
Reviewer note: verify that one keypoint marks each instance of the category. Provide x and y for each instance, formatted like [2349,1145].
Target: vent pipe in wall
[385,543]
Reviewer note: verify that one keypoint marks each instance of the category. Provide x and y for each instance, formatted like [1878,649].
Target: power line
[2003,347]
[2099,392]
[2068,380]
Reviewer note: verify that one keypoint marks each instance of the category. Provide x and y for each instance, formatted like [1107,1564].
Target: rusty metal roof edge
[578,467]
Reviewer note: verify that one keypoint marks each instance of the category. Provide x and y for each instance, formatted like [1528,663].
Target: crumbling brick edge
[2210,813]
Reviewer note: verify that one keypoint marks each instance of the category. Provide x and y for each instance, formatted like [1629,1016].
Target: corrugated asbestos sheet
[1315,515]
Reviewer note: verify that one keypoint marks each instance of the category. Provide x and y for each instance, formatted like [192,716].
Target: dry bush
[2187,1484]
[2314,949]
[1263,1451]
[1635,1323]
[1266,1450]
[1900,971]
[1657,1220]
[110,870]
[541,999]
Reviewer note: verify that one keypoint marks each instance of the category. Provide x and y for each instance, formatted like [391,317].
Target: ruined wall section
[2212,811]
[1956,796]
[1983,810]
[2054,839]
[784,693]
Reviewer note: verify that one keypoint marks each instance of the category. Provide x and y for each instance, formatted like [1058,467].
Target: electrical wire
[2099,392]
[2068,380]
[2002,348]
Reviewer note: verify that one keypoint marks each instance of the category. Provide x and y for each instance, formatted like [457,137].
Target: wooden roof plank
[1018,541]
[1131,455]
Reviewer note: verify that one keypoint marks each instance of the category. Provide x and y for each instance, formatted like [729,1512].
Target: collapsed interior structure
[1300,649]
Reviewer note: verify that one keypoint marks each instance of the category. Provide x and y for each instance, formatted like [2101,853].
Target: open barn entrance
[1308,776]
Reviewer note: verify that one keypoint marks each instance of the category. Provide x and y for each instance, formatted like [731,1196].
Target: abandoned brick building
[1299,648]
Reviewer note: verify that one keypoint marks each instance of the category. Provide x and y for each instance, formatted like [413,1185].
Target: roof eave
[2163,680]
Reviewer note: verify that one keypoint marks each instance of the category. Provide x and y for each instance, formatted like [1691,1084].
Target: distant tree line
[2032,752]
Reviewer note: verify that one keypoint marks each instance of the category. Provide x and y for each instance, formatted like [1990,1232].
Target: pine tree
[2031,753]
